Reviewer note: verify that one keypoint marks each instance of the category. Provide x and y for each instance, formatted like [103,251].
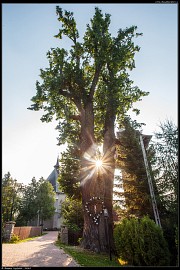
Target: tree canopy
[93,70]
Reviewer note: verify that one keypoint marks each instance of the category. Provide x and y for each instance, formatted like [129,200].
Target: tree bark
[109,153]
[97,188]
[92,187]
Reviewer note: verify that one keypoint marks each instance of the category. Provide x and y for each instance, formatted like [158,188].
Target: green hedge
[140,242]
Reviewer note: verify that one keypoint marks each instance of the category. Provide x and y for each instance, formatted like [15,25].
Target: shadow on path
[48,256]
[38,252]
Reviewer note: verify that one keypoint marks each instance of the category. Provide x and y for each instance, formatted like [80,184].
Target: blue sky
[29,146]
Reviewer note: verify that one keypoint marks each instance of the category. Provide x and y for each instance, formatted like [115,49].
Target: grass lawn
[88,258]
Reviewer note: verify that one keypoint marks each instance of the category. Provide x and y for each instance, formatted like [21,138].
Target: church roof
[146,138]
[52,178]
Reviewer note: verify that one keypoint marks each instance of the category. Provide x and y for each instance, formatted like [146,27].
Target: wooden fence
[27,231]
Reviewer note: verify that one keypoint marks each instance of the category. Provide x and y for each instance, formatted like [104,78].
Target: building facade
[57,219]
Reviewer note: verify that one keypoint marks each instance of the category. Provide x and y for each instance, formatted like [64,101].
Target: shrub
[79,240]
[140,242]
[14,238]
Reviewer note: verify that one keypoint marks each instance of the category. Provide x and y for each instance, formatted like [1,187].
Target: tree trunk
[92,187]
[97,187]
[109,153]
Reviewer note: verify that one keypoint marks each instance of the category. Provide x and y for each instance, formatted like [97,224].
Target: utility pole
[106,216]
[154,204]
[38,218]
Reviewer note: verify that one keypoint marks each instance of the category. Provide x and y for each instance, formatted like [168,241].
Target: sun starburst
[97,163]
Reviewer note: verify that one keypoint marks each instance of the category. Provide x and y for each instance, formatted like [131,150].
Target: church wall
[48,224]
[57,220]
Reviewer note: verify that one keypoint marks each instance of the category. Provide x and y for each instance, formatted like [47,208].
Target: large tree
[69,173]
[133,173]
[11,197]
[37,201]
[166,165]
[88,89]
[45,200]
[28,208]
[165,146]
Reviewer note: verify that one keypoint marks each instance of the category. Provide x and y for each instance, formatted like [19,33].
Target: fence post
[64,235]
[8,230]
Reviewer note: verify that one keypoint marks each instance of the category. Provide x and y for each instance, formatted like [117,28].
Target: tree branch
[75,117]
[65,94]
[94,82]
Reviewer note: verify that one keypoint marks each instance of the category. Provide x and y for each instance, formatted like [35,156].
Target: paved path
[39,252]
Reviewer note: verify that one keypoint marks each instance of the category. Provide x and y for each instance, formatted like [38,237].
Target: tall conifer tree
[134,178]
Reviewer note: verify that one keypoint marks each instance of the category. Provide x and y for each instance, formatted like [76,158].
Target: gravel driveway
[39,252]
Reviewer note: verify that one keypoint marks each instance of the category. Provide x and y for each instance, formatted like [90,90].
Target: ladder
[153,199]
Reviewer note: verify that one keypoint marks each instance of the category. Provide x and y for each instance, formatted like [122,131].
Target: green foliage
[165,170]
[140,242]
[79,240]
[38,197]
[166,165]
[14,238]
[94,70]
[156,248]
[72,211]
[134,179]
[28,207]
[45,200]
[11,197]
[69,173]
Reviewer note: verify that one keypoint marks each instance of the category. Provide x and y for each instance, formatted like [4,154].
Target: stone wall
[8,230]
